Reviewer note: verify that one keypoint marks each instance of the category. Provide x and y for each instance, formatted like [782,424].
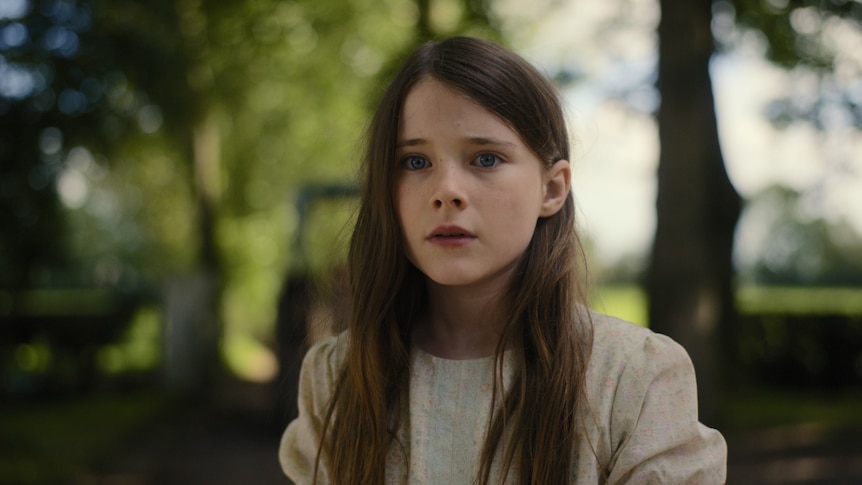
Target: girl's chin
[463,280]
[450,279]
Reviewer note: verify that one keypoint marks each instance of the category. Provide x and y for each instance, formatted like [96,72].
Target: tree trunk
[690,278]
[194,320]
[193,325]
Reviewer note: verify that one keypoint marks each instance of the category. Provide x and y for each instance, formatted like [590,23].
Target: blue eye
[487,160]
[415,163]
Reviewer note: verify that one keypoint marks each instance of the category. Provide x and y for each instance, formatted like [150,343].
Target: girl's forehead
[432,105]
[432,110]
[431,89]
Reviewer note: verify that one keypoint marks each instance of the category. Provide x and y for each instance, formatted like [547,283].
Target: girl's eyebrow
[412,142]
[483,141]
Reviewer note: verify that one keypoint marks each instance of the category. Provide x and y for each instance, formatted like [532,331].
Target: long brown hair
[547,328]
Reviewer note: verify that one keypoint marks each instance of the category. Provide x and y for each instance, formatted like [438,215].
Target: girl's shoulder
[623,352]
[641,396]
[325,356]
[616,340]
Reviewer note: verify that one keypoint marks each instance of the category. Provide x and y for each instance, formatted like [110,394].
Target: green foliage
[794,30]
[173,134]
[133,223]
[91,77]
[295,82]
[816,39]
[786,246]
[138,349]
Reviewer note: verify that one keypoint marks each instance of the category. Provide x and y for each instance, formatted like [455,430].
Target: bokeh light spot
[14,35]
[73,189]
[150,118]
[14,9]
[51,141]
[71,101]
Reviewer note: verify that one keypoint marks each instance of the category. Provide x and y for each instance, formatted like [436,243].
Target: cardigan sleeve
[654,423]
[299,444]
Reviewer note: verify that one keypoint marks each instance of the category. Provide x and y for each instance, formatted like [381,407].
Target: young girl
[470,355]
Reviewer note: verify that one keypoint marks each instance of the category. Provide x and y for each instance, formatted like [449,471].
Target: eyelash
[408,161]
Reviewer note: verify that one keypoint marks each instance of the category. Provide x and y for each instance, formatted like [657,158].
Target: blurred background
[177,179]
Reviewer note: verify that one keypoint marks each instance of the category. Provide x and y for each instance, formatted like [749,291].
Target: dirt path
[232,442]
[795,454]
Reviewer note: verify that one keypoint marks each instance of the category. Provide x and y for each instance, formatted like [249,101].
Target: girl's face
[468,190]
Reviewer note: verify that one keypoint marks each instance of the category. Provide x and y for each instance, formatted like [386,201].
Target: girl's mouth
[451,236]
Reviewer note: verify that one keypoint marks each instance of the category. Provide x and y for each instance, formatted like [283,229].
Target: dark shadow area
[227,441]
[795,453]
[141,438]
[794,411]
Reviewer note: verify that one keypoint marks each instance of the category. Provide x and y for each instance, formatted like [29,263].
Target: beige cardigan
[640,415]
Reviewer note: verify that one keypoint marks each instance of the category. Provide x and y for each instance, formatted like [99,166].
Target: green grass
[55,442]
[629,301]
[622,301]
[799,300]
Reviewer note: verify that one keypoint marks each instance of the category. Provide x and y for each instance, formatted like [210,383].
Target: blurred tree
[145,140]
[787,245]
[814,36]
[88,79]
[690,277]
[43,98]
[85,80]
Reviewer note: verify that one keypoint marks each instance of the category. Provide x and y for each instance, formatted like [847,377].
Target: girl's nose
[449,188]
[454,202]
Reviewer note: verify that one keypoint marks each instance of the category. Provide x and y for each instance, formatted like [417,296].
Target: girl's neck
[461,323]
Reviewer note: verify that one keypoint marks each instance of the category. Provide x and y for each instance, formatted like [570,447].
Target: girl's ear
[556,189]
